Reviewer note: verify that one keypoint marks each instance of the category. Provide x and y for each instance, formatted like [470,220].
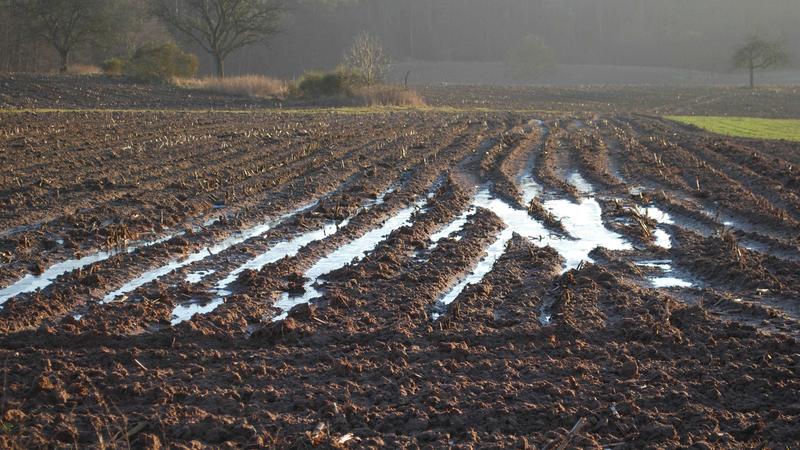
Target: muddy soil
[377,280]
[33,91]
[89,92]
[770,102]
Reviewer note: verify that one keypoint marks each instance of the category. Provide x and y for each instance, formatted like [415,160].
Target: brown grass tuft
[246,85]
[84,69]
[388,95]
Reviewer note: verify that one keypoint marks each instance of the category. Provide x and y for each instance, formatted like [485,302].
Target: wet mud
[396,280]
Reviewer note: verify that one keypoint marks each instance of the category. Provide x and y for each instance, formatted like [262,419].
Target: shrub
[322,84]
[350,87]
[161,62]
[338,83]
[245,85]
[113,67]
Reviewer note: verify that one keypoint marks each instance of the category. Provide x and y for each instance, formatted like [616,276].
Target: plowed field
[396,279]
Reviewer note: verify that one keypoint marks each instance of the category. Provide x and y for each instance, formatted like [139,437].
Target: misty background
[467,41]
[470,39]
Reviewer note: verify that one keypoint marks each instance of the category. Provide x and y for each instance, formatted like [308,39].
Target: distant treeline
[698,34]
[25,49]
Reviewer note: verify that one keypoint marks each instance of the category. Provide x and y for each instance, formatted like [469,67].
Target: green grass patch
[748,127]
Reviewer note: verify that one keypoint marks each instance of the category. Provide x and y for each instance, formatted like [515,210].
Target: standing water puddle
[186,311]
[663,239]
[585,224]
[582,221]
[342,256]
[485,266]
[451,228]
[283,249]
[719,216]
[668,280]
[30,283]
[580,183]
[196,277]
[203,253]
[276,253]
[530,189]
[290,248]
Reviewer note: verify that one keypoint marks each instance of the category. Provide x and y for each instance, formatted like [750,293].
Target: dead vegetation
[84,69]
[257,86]
[263,87]
[388,95]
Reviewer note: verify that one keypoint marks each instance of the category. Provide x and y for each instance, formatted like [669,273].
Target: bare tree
[758,53]
[221,27]
[368,58]
[67,24]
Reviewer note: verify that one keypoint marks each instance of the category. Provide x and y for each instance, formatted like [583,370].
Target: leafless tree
[758,54]
[67,24]
[368,58]
[221,27]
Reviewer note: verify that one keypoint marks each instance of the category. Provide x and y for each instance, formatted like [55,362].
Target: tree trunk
[752,77]
[219,61]
[64,54]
